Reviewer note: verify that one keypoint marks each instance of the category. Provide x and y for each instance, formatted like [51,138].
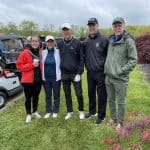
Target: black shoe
[98,122]
[88,116]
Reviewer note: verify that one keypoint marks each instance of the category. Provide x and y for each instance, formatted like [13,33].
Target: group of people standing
[108,62]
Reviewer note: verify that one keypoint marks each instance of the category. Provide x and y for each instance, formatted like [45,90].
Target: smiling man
[72,66]
[95,50]
[121,59]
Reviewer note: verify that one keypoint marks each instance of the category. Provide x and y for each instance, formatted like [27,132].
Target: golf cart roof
[7,37]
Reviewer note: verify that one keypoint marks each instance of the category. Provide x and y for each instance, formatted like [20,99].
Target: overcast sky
[135,12]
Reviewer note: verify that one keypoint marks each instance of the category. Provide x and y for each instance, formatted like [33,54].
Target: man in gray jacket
[121,59]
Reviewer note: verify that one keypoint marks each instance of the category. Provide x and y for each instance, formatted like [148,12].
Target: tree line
[28,27]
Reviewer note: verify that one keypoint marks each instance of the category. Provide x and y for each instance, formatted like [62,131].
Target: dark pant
[32,92]
[54,86]
[96,81]
[67,80]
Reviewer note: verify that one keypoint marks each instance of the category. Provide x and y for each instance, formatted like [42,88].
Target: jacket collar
[121,38]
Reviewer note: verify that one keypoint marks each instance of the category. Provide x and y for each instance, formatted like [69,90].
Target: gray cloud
[76,12]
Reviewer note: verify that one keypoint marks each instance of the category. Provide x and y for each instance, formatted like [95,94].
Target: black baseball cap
[92,21]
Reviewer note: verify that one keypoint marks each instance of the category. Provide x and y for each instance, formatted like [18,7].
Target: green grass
[74,134]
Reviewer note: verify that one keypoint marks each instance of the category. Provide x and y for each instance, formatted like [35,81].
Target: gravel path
[146,69]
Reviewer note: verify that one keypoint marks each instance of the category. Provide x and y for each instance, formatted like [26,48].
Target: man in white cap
[72,65]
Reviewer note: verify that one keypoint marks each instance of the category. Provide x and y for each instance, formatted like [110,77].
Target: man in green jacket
[121,59]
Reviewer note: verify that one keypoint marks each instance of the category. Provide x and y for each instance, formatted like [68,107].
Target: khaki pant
[116,93]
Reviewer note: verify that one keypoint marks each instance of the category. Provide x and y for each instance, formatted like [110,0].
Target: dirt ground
[146,69]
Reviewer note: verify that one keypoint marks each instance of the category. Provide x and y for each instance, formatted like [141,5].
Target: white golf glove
[77,78]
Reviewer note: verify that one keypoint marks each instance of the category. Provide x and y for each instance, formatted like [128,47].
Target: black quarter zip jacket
[71,54]
[95,52]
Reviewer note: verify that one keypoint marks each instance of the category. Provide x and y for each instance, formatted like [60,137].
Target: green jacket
[121,57]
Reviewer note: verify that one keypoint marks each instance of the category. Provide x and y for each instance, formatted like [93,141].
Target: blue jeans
[52,86]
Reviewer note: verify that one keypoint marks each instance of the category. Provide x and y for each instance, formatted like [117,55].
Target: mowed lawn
[73,134]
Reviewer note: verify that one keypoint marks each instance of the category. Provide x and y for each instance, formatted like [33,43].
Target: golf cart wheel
[2,99]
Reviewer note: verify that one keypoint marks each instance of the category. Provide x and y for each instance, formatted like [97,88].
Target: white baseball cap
[66,25]
[29,38]
[49,37]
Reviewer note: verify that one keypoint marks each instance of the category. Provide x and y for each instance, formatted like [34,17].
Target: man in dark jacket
[95,50]
[72,65]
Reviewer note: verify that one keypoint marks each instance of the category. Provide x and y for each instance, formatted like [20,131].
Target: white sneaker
[28,118]
[36,115]
[54,115]
[47,115]
[69,114]
[81,115]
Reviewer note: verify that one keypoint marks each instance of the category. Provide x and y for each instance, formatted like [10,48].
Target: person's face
[50,44]
[35,43]
[93,28]
[67,33]
[118,28]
